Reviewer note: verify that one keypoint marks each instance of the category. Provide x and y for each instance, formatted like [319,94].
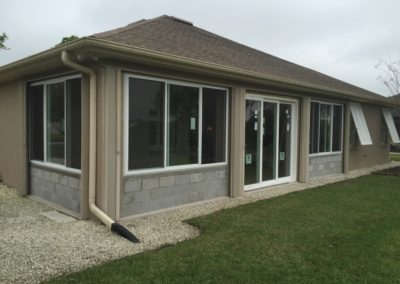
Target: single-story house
[161,113]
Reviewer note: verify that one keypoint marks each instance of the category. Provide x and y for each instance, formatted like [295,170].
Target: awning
[387,114]
[361,124]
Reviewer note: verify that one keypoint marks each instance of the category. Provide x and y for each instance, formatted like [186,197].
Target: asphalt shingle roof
[173,36]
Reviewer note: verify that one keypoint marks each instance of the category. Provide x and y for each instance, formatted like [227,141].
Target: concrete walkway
[37,243]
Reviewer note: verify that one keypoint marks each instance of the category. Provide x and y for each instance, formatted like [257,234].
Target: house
[161,113]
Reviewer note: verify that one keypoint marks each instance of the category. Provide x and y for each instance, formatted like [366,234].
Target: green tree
[68,39]
[3,38]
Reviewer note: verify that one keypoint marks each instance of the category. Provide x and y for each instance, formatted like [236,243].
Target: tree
[391,75]
[3,38]
[68,39]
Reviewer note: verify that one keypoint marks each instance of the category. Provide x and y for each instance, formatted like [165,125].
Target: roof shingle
[173,36]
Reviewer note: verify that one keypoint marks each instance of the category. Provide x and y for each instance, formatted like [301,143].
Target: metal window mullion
[44,123]
[319,127]
[65,123]
[200,128]
[166,128]
[227,101]
[331,146]
[278,112]
[261,135]
[126,123]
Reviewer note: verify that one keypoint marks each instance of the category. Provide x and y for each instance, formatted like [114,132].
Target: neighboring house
[161,113]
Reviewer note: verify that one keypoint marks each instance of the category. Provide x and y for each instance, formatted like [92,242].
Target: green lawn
[395,156]
[347,232]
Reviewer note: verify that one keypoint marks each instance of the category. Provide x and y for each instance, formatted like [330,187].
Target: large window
[55,122]
[326,124]
[174,124]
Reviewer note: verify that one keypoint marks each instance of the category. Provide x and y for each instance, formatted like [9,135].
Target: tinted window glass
[73,123]
[314,128]
[183,125]
[213,132]
[146,124]
[36,122]
[337,128]
[325,128]
[55,123]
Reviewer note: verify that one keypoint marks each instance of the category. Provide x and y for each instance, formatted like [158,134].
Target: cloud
[344,39]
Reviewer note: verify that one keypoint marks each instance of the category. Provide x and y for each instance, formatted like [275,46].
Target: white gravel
[34,248]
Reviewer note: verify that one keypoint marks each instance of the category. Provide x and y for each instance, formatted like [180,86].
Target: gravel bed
[34,248]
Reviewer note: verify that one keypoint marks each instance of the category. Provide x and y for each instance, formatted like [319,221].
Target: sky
[342,38]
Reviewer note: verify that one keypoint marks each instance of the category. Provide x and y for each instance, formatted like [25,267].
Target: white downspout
[104,218]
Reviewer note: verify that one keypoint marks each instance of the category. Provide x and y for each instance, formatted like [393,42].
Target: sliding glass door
[269,142]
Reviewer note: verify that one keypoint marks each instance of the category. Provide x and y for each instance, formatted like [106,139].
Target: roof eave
[101,46]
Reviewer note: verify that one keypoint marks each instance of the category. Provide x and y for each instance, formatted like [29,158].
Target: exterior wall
[148,193]
[323,165]
[106,181]
[12,141]
[370,155]
[57,187]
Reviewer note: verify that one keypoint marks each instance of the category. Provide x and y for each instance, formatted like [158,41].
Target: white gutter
[103,217]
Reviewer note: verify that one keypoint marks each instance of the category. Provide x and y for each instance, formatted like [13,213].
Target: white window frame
[387,114]
[45,163]
[166,168]
[361,124]
[319,121]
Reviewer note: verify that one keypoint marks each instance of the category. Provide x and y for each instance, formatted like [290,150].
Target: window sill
[325,154]
[56,167]
[173,169]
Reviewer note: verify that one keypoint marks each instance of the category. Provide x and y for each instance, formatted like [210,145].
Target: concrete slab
[58,217]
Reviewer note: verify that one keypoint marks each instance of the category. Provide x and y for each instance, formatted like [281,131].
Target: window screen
[36,122]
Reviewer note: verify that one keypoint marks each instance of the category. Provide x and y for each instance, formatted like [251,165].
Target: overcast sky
[342,38]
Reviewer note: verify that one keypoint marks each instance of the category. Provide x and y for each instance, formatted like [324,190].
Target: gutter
[103,217]
[100,45]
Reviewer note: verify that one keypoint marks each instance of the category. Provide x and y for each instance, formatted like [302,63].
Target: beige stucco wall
[369,155]
[12,131]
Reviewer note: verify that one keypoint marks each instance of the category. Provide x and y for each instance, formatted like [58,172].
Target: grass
[347,232]
[395,156]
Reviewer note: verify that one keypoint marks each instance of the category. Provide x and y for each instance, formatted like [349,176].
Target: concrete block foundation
[56,186]
[152,192]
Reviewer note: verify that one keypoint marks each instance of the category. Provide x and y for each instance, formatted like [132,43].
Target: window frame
[332,104]
[165,167]
[45,163]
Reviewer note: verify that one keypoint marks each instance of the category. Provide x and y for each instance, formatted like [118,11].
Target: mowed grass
[395,156]
[347,232]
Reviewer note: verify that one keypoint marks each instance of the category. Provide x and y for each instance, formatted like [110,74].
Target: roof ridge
[128,27]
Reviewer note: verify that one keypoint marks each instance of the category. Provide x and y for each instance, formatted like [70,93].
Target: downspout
[103,217]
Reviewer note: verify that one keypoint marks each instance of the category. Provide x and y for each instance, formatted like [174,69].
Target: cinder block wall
[147,193]
[325,165]
[60,188]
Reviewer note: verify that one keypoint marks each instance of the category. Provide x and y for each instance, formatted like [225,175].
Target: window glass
[325,128]
[337,128]
[146,124]
[183,125]
[214,126]
[285,129]
[36,122]
[252,142]
[314,128]
[73,123]
[353,134]
[55,123]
